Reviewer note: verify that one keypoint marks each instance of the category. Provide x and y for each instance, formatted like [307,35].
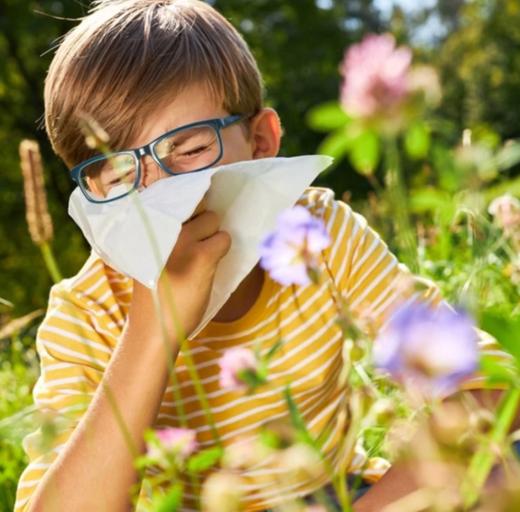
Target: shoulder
[91,287]
[317,200]
[89,306]
[338,216]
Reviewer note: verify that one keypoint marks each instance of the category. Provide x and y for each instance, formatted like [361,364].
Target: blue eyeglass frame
[149,149]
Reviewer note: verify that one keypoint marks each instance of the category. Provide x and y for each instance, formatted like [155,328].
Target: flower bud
[482,420]
[383,411]
[449,423]
[222,492]
[300,462]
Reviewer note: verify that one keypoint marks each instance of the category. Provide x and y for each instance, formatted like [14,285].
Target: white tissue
[136,234]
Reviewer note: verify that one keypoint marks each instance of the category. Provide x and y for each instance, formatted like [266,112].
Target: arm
[95,470]
[401,480]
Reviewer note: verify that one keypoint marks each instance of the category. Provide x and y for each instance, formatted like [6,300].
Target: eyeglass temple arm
[231,120]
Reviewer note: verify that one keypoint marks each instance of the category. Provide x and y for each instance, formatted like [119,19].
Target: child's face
[196,104]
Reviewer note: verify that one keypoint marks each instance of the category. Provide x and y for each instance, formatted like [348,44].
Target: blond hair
[127,58]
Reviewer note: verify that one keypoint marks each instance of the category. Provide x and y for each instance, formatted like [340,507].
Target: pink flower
[177,441]
[375,76]
[506,211]
[233,364]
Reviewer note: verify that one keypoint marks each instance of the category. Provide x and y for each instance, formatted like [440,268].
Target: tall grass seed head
[37,211]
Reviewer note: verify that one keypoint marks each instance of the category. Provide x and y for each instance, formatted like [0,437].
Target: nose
[150,171]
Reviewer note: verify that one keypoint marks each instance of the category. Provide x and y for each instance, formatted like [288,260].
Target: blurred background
[475,46]
[458,160]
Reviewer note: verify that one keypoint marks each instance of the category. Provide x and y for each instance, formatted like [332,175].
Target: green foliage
[204,459]
[417,140]
[18,373]
[298,46]
[505,328]
[481,69]
[172,500]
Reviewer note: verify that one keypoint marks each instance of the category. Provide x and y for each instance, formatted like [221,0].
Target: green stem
[342,492]
[181,335]
[50,262]
[192,369]
[482,462]
[200,391]
[399,206]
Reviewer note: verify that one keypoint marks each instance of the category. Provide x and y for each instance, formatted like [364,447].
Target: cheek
[236,149]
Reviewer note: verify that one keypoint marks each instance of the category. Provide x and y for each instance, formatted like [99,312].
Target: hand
[188,275]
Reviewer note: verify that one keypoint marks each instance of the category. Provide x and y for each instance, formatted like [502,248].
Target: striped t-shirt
[87,312]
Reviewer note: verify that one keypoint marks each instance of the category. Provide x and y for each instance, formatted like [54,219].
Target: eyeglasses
[190,148]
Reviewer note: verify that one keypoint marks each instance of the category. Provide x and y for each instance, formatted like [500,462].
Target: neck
[243,298]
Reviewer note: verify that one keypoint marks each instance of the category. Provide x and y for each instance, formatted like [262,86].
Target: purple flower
[432,350]
[178,441]
[233,364]
[292,251]
[375,75]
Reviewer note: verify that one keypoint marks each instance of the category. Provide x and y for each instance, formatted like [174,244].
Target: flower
[222,492]
[291,253]
[432,350]
[181,442]
[300,462]
[506,211]
[235,365]
[375,76]
[245,453]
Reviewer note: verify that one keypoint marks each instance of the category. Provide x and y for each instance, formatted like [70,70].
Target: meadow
[430,157]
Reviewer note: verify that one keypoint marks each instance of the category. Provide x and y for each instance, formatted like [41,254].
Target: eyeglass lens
[187,150]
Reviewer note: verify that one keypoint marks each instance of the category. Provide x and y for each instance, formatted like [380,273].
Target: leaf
[327,117]
[5,302]
[204,459]
[505,329]
[272,351]
[297,419]
[417,140]
[365,152]
[172,500]
[253,378]
[428,199]
[335,145]
[508,155]
[496,370]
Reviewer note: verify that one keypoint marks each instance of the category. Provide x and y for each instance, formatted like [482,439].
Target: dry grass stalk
[37,212]
[95,136]
[16,325]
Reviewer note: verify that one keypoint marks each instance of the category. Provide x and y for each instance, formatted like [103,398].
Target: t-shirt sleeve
[74,351]
[374,283]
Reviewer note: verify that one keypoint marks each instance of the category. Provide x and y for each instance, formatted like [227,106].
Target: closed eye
[122,179]
[195,151]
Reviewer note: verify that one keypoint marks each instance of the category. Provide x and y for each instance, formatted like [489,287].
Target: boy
[142,68]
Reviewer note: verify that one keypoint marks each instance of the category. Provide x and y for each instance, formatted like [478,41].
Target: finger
[202,226]
[216,246]
[201,207]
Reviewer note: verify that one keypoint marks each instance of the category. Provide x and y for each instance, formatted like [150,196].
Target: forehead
[193,103]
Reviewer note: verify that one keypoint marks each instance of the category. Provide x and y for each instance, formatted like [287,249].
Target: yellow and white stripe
[86,315]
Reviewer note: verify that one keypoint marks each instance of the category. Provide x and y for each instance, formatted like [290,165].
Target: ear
[265,133]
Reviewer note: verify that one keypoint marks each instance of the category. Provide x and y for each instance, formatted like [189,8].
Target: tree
[298,45]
